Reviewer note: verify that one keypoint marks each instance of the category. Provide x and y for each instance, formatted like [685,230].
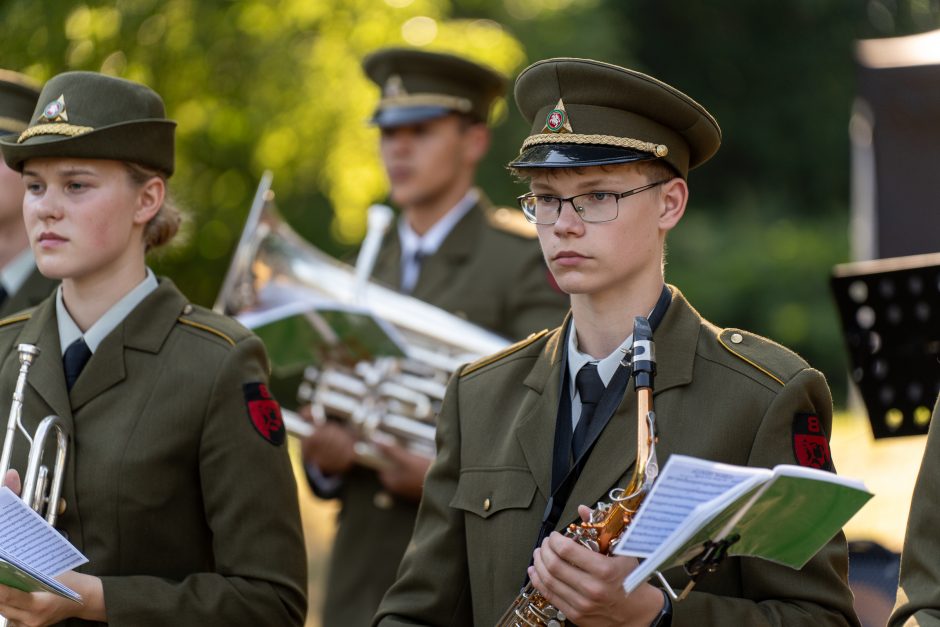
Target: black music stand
[890,314]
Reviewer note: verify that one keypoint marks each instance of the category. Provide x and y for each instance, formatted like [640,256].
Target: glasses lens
[540,209]
[596,206]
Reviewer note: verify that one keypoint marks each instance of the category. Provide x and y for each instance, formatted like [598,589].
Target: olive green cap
[18,94]
[418,85]
[87,115]
[586,113]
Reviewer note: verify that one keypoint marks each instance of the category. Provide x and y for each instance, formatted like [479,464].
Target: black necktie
[590,389]
[417,259]
[3,294]
[74,359]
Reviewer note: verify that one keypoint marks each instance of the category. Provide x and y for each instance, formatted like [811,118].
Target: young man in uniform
[607,163]
[449,248]
[918,601]
[21,284]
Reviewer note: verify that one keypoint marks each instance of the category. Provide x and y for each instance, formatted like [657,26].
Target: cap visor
[401,116]
[576,156]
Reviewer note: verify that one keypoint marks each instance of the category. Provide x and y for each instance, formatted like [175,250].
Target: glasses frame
[580,210]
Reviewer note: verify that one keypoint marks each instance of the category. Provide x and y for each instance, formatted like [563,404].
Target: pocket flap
[486,491]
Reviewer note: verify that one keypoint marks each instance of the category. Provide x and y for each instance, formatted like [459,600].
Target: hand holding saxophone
[588,586]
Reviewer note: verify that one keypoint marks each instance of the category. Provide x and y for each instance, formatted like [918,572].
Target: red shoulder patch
[810,444]
[265,413]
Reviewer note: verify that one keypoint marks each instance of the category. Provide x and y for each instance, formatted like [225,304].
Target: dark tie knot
[74,360]
[589,384]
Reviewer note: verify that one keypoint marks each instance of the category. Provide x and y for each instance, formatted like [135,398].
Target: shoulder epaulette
[20,317]
[776,361]
[208,321]
[511,221]
[509,350]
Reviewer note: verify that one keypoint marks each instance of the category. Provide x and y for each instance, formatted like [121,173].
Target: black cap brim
[576,156]
[391,117]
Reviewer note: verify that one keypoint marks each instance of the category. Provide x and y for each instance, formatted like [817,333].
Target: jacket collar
[676,341]
[145,328]
[456,248]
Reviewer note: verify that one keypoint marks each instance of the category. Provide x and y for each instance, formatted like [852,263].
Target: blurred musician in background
[21,284]
[449,248]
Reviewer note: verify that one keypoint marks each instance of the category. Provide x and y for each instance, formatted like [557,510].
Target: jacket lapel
[145,329]
[536,435]
[388,263]
[437,271]
[46,376]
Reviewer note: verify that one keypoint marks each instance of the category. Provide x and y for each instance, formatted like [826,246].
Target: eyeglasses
[592,206]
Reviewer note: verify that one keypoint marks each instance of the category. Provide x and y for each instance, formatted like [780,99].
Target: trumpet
[276,277]
[608,521]
[41,491]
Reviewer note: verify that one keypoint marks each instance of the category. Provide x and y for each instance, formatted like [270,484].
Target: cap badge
[55,111]
[394,87]
[557,120]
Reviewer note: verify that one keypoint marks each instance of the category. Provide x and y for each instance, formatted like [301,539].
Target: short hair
[653,169]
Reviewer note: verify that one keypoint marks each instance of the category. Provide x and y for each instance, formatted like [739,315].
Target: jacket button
[736,338]
[486,505]
[382,500]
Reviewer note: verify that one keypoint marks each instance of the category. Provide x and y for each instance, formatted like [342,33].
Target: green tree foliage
[276,84]
[254,85]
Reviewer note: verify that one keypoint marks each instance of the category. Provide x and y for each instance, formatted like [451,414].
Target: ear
[476,142]
[675,195]
[149,199]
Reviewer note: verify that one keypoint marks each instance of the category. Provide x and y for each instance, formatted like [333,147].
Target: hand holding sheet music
[785,515]
[32,552]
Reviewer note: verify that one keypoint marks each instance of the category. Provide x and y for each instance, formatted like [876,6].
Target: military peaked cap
[18,94]
[586,113]
[418,85]
[87,115]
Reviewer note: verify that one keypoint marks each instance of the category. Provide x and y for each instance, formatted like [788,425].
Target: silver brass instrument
[608,521]
[275,274]
[41,489]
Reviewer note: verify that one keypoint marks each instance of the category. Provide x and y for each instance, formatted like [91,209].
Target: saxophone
[607,521]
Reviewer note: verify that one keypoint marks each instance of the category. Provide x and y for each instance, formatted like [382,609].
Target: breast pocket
[486,492]
[500,525]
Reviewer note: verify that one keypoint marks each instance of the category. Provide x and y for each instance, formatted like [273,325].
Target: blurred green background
[275,84]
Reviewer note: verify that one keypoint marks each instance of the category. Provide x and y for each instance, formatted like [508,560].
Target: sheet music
[26,535]
[684,484]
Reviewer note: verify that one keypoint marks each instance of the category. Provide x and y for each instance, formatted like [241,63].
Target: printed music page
[784,515]
[31,550]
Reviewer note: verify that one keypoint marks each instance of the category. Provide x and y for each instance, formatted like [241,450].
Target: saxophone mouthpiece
[644,354]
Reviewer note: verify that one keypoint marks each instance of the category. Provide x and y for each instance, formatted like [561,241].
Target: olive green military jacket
[715,398]
[188,515]
[32,292]
[918,601]
[490,271]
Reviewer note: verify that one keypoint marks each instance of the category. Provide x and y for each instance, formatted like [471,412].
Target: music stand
[890,314]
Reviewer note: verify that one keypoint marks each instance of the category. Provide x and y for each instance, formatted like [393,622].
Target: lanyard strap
[565,472]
